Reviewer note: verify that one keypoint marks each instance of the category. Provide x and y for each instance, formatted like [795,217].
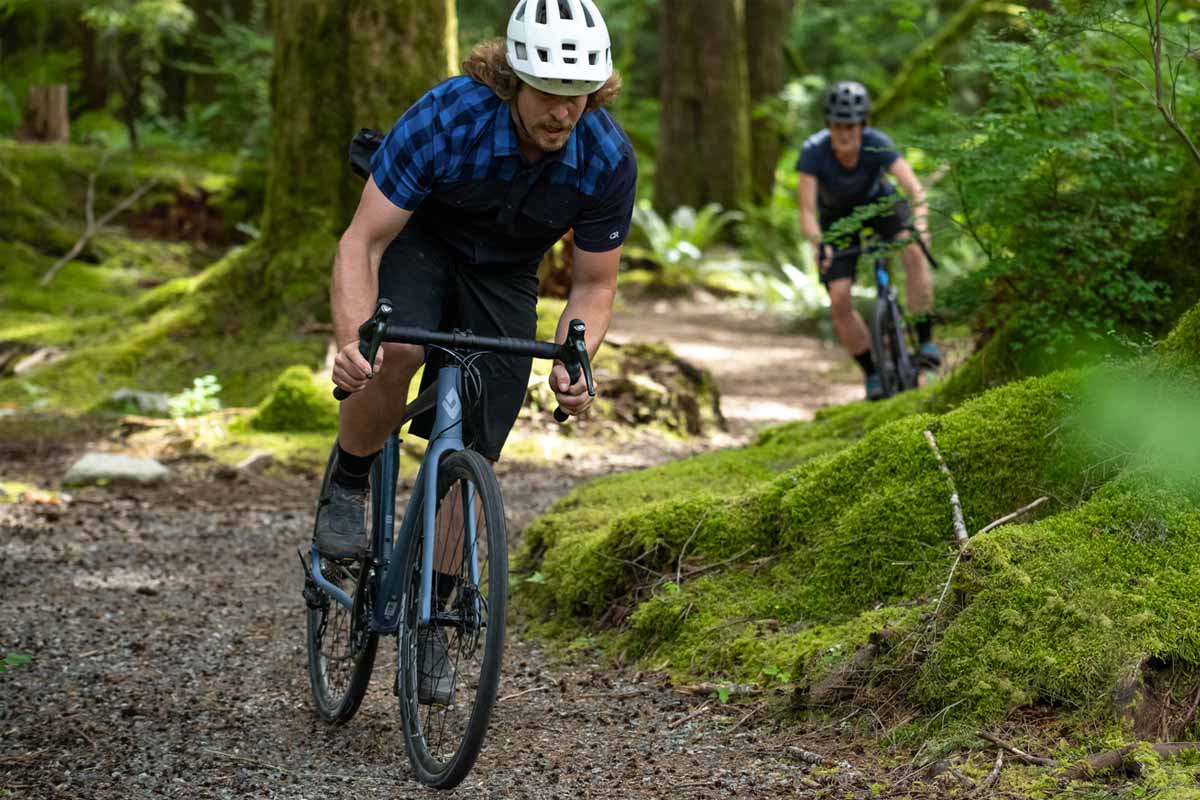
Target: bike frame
[421,510]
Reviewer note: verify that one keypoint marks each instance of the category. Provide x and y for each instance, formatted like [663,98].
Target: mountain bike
[443,574]
[893,342]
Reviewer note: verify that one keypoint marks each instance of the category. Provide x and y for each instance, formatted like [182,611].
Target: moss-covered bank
[793,554]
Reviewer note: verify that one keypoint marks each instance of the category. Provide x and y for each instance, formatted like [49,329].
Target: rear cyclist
[842,168]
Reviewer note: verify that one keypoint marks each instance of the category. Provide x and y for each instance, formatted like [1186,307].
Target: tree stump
[46,118]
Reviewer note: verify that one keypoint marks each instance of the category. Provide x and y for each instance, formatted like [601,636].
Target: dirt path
[167,633]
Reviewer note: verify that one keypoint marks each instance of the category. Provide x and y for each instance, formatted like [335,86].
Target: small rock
[111,468]
[256,462]
[224,472]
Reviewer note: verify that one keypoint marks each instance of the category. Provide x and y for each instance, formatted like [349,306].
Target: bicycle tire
[884,349]
[341,647]
[439,761]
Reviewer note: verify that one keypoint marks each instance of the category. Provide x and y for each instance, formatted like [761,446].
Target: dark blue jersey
[453,160]
[840,188]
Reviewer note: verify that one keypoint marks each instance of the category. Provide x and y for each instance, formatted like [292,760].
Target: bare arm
[354,286]
[807,192]
[912,187]
[593,289]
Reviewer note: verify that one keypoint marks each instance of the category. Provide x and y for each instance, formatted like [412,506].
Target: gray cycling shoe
[341,530]
[436,684]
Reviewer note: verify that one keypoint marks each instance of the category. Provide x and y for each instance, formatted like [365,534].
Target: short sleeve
[881,146]
[604,224]
[404,167]
[809,161]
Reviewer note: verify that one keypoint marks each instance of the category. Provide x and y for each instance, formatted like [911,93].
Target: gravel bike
[443,573]
[893,342]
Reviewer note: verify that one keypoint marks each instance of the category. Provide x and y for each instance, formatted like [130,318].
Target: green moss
[1182,347]
[1058,610]
[297,402]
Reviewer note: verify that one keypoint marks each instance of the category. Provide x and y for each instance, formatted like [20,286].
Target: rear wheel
[449,671]
[341,649]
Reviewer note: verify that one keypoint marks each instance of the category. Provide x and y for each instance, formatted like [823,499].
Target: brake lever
[370,337]
[575,359]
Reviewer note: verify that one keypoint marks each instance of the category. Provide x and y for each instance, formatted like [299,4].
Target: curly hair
[487,64]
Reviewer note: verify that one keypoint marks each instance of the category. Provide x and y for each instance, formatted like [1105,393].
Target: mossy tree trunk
[766,25]
[704,129]
[337,67]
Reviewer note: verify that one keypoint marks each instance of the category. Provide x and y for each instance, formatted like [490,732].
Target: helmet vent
[520,15]
[593,57]
[540,15]
[522,53]
[544,55]
[564,10]
[587,16]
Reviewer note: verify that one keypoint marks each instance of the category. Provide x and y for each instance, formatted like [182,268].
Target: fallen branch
[1119,759]
[93,227]
[809,757]
[1021,755]
[700,710]
[733,689]
[990,780]
[960,527]
[1010,517]
[757,708]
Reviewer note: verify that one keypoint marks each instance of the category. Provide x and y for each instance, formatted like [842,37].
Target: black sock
[924,327]
[353,472]
[866,362]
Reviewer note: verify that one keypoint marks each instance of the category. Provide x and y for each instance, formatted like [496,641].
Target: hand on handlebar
[351,371]
[572,398]
[823,255]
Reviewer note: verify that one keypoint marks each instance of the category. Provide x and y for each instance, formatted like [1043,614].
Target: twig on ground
[809,757]
[93,228]
[699,710]
[682,550]
[757,708]
[732,689]
[617,694]
[949,578]
[1010,517]
[27,758]
[717,565]
[527,691]
[990,780]
[960,527]
[963,779]
[1021,755]
[253,761]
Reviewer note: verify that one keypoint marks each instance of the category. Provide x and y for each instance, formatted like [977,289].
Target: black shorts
[431,287]
[886,226]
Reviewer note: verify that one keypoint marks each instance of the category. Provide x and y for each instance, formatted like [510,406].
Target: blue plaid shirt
[453,160]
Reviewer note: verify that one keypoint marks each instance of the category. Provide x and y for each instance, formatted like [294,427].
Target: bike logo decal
[451,404]
[615,235]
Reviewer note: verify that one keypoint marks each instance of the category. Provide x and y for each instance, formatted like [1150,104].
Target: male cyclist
[474,183]
[841,169]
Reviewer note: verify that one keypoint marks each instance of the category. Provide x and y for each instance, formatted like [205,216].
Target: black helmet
[847,101]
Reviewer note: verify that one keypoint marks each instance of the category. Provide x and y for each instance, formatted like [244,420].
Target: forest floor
[166,628]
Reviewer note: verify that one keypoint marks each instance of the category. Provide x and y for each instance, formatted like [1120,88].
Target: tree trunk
[704,128]
[94,79]
[916,68]
[337,67]
[766,25]
[46,118]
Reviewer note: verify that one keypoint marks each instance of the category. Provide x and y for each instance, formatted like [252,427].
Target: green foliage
[13,659]
[237,59]
[676,247]
[297,402]
[202,398]
[1058,179]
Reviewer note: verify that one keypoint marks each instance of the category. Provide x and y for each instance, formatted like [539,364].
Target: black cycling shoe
[929,356]
[341,530]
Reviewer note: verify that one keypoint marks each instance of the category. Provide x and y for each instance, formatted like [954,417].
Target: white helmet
[559,46]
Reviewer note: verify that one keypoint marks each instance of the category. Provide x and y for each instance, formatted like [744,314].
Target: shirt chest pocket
[554,211]
[471,198]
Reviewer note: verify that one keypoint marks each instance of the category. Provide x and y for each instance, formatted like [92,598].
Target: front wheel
[889,349]
[448,671]
[341,648]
